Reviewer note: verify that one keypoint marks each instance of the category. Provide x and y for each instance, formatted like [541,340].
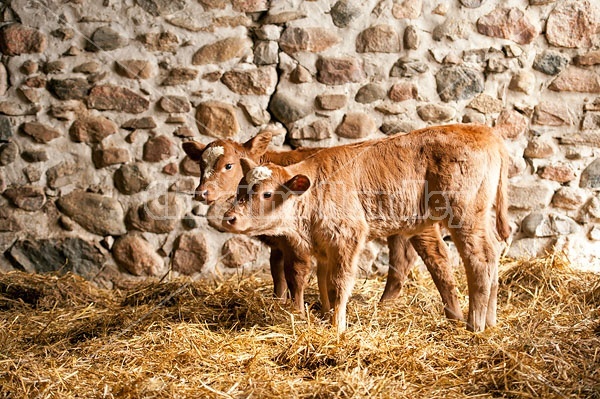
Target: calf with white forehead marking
[257,175]
[210,157]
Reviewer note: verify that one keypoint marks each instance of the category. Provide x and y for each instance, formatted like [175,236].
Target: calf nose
[201,195]
[229,218]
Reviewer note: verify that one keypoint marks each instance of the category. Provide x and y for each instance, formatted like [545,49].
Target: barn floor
[60,337]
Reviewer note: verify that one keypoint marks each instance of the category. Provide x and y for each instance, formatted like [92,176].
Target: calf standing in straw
[335,201]
[221,173]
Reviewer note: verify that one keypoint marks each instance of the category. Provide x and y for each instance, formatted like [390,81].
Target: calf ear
[247,165]
[258,144]
[193,149]
[298,184]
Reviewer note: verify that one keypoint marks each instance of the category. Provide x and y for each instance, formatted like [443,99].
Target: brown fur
[341,197]
[289,267]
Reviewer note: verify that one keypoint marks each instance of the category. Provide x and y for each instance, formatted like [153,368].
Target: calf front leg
[402,259]
[277,272]
[342,268]
[297,268]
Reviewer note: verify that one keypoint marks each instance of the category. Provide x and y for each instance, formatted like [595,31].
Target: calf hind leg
[480,257]
[322,281]
[402,259]
[431,248]
[490,319]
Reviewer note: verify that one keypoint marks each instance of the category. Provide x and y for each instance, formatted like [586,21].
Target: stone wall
[97,97]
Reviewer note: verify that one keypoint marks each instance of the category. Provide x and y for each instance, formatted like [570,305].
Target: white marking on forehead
[210,156]
[257,175]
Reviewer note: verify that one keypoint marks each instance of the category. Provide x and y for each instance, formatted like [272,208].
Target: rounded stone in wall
[339,71]
[511,124]
[158,149]
[288,108]
[590,178]
[239,252]
[315,40]
[92,129]
[131,178]
[69,89]
[259,81]
[408,68]
[16,39]
[507,23]
[39,132]
[96,213]
[217,119]
[103,157]
[573,24]
[161,7]
[378,39]
[105,39]
[160,41]
[4,84]
[8,153]
[343,13]
[175,104]
[136,255]
[300,75]
[331,102]
[58,255]
[471,3]
[458,83]
[356,125]
[116,98]
[29,198]
[409,9]
[159,215]
[134,69]
[550,62]
[369,93]
[189,167]
[6,129]
[571,198]
[435,112]
[403,91]
[190,253]
[538,224]
[221,51]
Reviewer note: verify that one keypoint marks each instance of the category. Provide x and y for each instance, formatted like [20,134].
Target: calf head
[220,169]
[266,201]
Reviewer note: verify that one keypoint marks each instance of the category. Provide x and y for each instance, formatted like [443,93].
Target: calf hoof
[299,309]
[453,314]
[389,296]
[475,328]
[280,294]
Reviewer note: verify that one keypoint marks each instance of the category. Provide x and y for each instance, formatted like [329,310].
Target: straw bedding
[61,337]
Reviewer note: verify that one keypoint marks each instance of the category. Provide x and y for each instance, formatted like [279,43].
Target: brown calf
[289,267]
[220,174]
[335,201]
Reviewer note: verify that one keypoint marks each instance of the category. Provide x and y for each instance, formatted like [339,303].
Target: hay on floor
[60,337]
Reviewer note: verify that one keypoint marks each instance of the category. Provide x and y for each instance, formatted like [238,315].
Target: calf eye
[267,195]
[228,166]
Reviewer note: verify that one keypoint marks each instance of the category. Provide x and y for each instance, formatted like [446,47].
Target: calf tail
[502,224]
